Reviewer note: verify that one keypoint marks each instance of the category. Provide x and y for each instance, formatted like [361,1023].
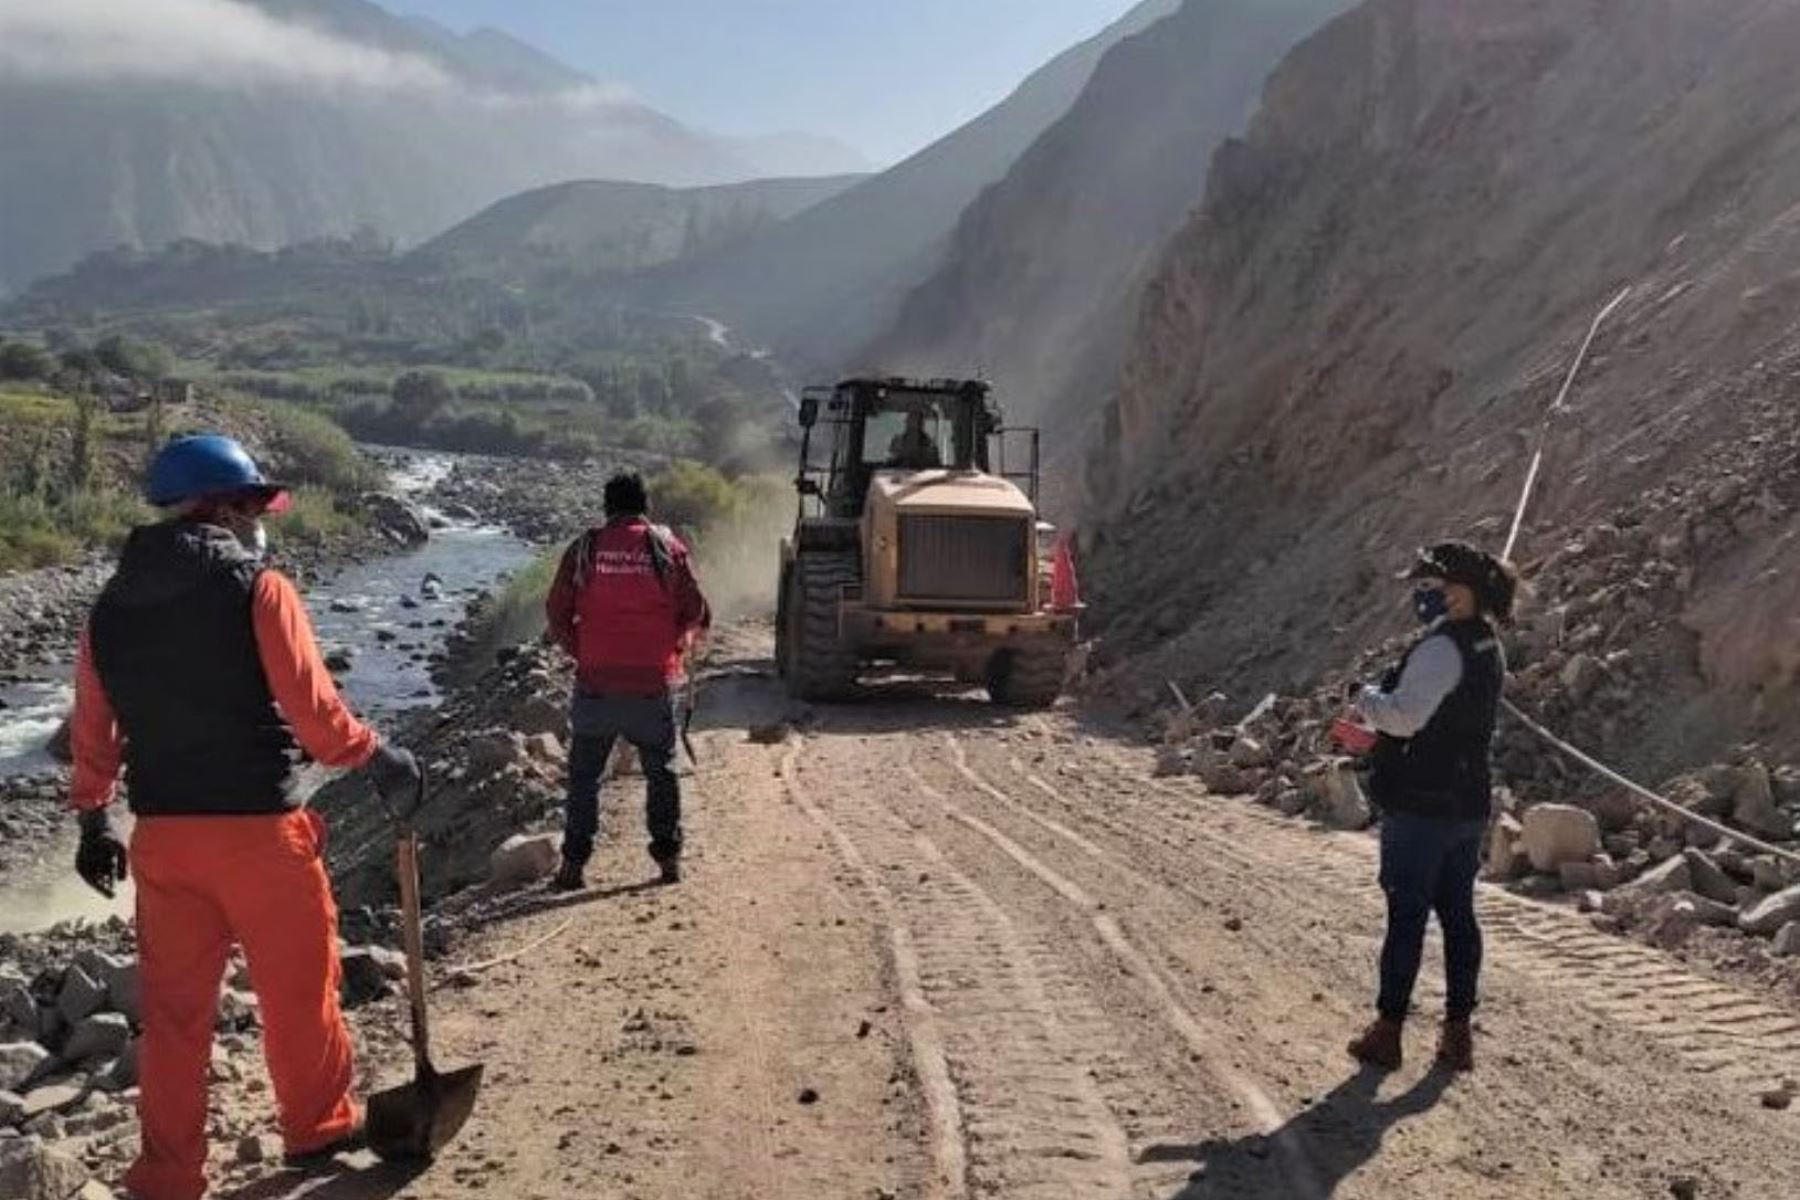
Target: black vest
[1442,771]
[175,647]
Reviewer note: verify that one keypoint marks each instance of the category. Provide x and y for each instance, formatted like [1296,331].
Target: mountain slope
[286,120]
[1348,349]
[600,225]
[820,286]
[1039,285]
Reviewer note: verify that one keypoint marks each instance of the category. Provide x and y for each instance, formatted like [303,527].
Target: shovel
[411,1123]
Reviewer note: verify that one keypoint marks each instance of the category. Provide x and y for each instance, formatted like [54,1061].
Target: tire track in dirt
[1716,1029]
[1013,1108]
[1202,1038]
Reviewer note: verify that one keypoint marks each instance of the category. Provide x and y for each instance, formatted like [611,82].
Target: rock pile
[69,1023]
[1640,870]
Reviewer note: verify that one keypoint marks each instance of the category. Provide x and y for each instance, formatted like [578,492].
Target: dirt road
[929,949]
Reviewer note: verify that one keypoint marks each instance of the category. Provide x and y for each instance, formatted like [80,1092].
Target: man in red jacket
[626,604]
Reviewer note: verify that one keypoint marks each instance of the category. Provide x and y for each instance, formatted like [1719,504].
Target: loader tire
[820,665]
[1029,678]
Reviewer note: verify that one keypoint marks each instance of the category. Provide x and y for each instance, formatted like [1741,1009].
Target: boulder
[1506,857]
[1708,879]
[81,996]
[493,750]
[1345,806]
[1599,874]
[340,660]
[12,1109]
[1248,752]
[122,991]
[364,979]
[30,1170]
[1787,941]
[20,1062]
[1753,804]
[1774,912]
[1672,876]
[1559,833]
[238,1011]
[544,747]
[17,1006]
[523,859]
[52,1098]
[123,1073]
[102,1035]
[1706,912]
[399,520]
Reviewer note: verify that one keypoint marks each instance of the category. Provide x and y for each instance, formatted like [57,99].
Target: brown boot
[1456,1045]
[1379,1045]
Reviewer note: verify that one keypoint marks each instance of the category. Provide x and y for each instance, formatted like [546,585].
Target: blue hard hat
[207,464]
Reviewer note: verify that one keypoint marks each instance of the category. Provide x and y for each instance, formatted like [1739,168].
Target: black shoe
[671,869]
[568,879]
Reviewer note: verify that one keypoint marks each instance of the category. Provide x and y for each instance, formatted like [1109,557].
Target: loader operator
[913,449]
[626,605]
[1435,714]
[199,673]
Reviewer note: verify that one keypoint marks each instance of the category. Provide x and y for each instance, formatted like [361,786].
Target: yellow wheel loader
[915,549]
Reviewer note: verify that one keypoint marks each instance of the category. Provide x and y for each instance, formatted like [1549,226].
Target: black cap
[1493,581]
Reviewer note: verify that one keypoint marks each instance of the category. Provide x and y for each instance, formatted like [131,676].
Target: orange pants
[202,884]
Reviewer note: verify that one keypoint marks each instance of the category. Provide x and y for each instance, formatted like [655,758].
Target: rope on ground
[1645,793]
[489,964]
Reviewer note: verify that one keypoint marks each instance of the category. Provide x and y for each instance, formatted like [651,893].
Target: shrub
[22,360]
[313,518]
[307,448]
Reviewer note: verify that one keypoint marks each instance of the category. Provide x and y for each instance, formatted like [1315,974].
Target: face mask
[257,543]
[1429,604]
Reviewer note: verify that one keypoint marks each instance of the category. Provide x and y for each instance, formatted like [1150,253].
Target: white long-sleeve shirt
[1431,673]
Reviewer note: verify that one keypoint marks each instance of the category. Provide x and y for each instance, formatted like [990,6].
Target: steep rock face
[1041,280]
[822,285]
[1348,349]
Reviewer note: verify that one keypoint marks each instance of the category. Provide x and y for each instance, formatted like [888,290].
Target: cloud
[219,43]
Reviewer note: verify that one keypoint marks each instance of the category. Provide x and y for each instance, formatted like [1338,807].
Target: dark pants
[1429,864]
[596,723]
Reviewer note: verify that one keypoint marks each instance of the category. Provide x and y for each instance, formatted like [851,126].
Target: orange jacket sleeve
[94,737]
[303,689]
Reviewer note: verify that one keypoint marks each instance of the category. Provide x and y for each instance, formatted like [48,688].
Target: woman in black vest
[1435,714]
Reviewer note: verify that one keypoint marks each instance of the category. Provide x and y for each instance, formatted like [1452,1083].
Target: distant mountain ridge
[606,225]
[822,285]
[155,156]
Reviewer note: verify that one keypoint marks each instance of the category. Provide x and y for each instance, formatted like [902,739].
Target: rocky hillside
[1347,349]
[602,225]
[820,286]
[285,120]
[1041,280]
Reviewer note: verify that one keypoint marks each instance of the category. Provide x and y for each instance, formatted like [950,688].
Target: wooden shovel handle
[407,864]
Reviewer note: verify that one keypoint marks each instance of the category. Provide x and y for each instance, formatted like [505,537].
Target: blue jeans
[596,723]
[1428,865]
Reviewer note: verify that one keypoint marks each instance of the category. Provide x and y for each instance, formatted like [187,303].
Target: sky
[887,77]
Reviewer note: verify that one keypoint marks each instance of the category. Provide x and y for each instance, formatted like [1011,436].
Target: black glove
[100,860]
[397,779]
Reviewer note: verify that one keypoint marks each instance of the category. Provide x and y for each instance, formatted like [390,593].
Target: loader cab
[864,426]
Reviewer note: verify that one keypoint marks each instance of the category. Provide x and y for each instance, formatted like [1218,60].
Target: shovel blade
[411,1123]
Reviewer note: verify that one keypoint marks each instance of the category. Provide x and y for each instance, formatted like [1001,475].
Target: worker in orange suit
[200,675]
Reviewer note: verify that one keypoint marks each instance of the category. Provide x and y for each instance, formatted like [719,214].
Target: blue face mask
[1429,603]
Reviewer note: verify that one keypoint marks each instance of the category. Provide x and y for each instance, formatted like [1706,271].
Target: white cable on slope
[1556,406]
[1644,792]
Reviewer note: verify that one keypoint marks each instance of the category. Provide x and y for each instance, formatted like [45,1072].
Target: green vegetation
[315,518]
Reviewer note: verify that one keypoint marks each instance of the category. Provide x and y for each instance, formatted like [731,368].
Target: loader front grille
[971,560]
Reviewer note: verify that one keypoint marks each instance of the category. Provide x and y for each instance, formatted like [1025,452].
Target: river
[383,612]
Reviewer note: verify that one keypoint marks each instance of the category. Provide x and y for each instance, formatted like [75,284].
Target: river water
[384,612]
